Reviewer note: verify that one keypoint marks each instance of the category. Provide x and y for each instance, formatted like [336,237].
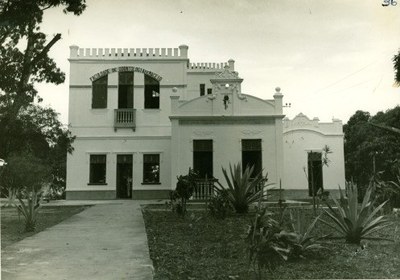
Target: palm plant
[351,222]
[242,189]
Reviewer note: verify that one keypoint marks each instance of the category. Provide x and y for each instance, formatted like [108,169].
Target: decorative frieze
[125,69]
[251,131]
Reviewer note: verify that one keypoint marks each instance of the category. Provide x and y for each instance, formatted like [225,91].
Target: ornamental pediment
[227,74]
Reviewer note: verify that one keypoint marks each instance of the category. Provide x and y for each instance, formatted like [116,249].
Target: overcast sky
[330,58]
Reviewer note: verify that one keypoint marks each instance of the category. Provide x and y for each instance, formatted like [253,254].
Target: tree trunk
[22,97]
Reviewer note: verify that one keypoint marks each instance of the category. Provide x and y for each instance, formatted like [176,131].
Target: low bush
[219,206]
[184,190]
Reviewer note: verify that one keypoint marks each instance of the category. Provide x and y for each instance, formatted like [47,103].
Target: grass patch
[12,226]
[201,247]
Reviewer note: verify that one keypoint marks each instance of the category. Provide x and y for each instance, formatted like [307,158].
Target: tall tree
[370,149]
[24,57]
[38,134]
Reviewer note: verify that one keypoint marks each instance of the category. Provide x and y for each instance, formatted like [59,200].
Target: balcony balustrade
[125,118]
[204,190]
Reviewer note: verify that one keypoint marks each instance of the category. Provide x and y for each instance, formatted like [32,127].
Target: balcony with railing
[204,189]
[125,118]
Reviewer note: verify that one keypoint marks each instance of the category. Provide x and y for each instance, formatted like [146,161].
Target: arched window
[151,93]
[99,93]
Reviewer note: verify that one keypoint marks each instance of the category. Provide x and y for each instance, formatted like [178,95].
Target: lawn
[12,225]
[201,247]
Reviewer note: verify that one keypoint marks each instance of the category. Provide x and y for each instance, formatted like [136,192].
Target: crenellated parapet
[206,66]
[211,66]
[129,53]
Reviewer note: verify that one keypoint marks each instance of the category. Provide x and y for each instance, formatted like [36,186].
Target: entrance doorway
[315,178]
[124,176]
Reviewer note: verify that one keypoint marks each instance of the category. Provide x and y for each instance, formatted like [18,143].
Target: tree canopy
[39,137]
[364,142]
[25,171]
[31,134]
[24,49]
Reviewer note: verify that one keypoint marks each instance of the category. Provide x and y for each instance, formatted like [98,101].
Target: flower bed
[201,247]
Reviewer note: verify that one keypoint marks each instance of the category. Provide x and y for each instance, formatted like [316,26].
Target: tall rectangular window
[125,90]
[209,91]
[151,93]
[97,172]
[202,89]
[203,158]
[151,168]
[315,176]
[252,155]
[99,93]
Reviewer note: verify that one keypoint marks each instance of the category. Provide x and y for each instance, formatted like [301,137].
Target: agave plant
[30,209]
[301,239]
[242,189]
[387,190]
[265,244]
[352,222]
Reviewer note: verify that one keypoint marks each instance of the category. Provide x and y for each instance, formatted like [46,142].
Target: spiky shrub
[30,208]
[387,190]
[219,206]
[243,190]
[300,239]
[395,186]
[266,247]
[352,222]
[26,175]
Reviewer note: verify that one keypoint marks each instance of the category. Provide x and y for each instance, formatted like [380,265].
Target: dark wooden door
[315,176]
[124,176]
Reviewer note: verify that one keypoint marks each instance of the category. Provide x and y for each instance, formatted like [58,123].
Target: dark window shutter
[99,93]
[202,89]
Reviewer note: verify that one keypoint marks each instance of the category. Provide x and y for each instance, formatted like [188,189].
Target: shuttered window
[125,90]
[99,93]
[202,89]
[203,158]
[252,155]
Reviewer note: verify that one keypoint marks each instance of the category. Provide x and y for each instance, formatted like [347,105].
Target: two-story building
[142,117]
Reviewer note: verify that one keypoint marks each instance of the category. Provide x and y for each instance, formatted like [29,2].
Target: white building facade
[313,156]
[142,117]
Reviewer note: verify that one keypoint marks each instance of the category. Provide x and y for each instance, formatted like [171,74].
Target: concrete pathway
[106,241]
